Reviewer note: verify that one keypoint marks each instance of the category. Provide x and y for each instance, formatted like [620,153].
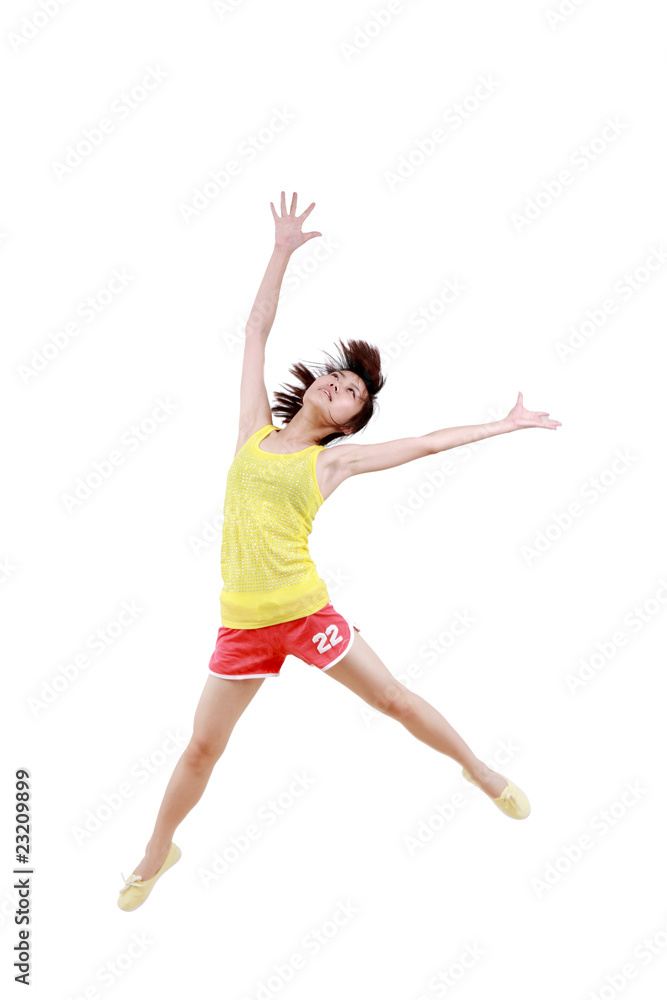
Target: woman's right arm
[255,410]
[264,307]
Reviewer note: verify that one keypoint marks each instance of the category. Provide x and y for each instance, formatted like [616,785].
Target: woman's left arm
[358,458]
[517,419]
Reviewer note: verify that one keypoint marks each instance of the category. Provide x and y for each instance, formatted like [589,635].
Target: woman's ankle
[478,770]
[152,861]
[158,849]
[488,780]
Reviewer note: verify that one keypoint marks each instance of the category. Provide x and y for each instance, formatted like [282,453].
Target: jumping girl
[273,603]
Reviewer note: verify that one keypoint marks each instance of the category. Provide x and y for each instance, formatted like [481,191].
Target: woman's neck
[301,432]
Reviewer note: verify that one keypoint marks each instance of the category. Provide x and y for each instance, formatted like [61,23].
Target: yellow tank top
[270,502]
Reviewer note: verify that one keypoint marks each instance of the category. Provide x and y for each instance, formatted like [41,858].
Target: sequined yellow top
[270,502]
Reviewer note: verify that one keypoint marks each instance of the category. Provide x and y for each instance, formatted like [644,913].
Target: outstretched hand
[288,225]
[518,417]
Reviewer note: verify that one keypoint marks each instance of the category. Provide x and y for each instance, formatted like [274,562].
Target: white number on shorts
[332,630]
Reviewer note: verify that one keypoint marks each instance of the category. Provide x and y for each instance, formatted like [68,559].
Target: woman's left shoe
[136,891]
[511,801]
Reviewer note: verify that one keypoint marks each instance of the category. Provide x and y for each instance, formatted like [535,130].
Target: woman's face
[340,395]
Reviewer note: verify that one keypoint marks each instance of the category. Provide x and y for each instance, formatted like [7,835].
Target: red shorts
[320,640]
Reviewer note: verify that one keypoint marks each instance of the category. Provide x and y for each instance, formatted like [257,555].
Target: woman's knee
[202,751]
[395,700]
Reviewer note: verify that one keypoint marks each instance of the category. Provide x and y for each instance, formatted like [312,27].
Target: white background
[360,98]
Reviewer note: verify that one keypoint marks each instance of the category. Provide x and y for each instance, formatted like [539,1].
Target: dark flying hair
[356,356]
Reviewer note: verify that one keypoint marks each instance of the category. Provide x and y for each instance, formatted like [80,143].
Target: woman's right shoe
[511,801]
[135,891]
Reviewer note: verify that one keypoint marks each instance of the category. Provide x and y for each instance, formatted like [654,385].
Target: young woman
[273,603]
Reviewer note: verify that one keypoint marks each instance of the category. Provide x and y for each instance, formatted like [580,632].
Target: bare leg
[363,672]
[221,704]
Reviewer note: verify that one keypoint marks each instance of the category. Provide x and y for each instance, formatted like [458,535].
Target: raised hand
[288,225]
[518,417]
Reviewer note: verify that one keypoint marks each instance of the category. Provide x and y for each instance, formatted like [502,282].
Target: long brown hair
[356,356]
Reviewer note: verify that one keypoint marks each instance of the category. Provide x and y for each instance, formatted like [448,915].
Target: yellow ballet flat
[511,801]
[135,892]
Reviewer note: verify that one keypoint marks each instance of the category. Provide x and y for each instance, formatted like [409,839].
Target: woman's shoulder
[246,434]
